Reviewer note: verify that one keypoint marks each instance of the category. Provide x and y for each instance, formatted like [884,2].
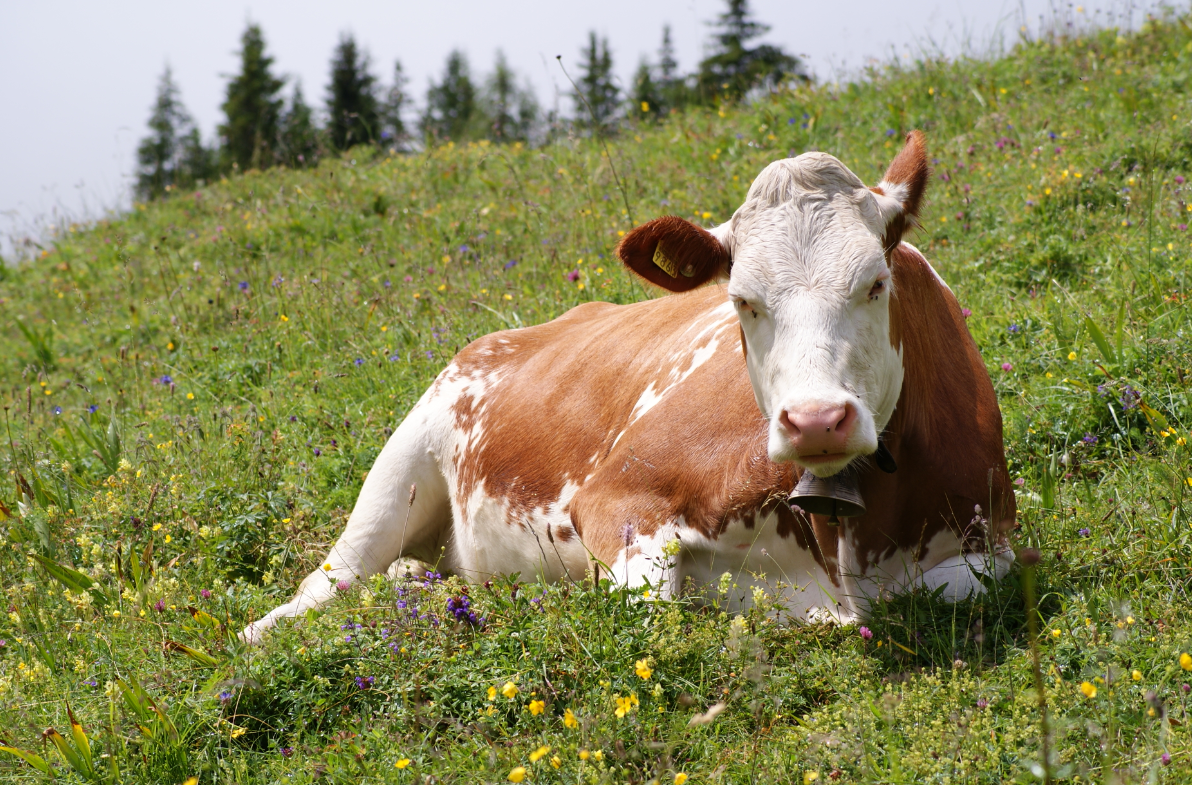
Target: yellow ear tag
[663,263]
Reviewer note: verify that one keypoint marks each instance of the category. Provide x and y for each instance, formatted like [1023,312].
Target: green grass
[248,348]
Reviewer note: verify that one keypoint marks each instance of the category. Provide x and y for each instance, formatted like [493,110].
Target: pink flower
[343,585]
[965,312]
[1007,367]
[866,633]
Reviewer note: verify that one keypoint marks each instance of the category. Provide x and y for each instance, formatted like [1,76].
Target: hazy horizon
[81,79]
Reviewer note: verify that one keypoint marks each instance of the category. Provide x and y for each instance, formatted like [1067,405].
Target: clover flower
[866,633]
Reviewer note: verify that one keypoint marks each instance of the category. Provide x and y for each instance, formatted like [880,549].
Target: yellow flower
[569,720]
[1186,661]
[238,732]
[625,705]
[645,106]
[1136,675]
[536,707]
[517,774]
[584,754]
[327,568]
[1057,632]
[1071,355]
[492,693]
[680,778]
[510,690]
[1089,689]
[556,761]
[598,755]
[642,669]
[810,777]
[191,781]
[401,764]
[190,396]
[539,754]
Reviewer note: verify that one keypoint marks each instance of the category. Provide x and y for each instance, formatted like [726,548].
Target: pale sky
[77,79]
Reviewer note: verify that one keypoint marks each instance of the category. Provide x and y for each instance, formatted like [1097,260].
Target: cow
[657,443]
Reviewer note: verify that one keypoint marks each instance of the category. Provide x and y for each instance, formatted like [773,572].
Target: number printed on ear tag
[663,262]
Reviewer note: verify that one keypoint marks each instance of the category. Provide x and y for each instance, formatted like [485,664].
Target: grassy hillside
[193,392]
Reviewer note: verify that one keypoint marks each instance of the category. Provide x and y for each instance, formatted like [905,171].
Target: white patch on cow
[807,251]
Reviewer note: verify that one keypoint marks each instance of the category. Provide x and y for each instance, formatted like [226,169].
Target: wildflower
[642,669]
[1165,759]
[1089,439]
[810,777]
[1136,675]
[680,778]
[584,754]
[866,633]
[359,361]
[205,594]
[1071,355]
[510,690]
[92,409]
[569,720]
[166,379]
[159,606]
[1007,367]
[556,761]
[1084,532]
[364,682]
[244,286]
[965,312]
[287,752]
[539,754]
[982,704]
[1186,661]
[1014,328]
[517,774]
[492,693]
[1089,689]
[57,410]
[625,705]
[536,707]
[343,585]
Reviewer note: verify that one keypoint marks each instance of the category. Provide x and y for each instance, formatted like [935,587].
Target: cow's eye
[746,308]
[878,287]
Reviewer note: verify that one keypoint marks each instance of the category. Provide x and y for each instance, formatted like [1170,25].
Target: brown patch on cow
[908,168]
[565,533]
[674,254]
[946,432]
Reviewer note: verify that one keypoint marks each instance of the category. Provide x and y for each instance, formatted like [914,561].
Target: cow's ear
[675,254]
[903,186]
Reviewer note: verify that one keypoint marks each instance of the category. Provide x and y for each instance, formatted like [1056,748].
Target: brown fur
[698,257]
[909,168]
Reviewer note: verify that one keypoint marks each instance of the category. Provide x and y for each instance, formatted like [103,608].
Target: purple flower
[1084,532]
[167,379]
[287,752]
[1089,439]
[359,361]
[430,355]
[1179,179]
[408,278]
[1130,398]
[205,594]
[159,606]
[57,410]
[225,696]
[92,409]
[889,132]
[1183,227]
[1165,759]
[573,276]
[1007,367]
[1185,688]
[982,703]
[244,284]
[965,312]
[1014,328]
[463,249]
[318,452]
[510,263]
[91,683]
[866,633]
[343,585]
[364,682]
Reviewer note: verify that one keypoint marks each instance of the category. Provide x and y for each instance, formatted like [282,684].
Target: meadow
[192,393]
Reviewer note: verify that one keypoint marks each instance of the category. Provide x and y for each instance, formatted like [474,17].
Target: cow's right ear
[675,254]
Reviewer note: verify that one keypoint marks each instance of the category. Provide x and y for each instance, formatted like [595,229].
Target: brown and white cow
[662,439]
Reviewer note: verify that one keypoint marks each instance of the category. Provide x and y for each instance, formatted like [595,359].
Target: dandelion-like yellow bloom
[492,693]
[1089,689]
[642,669]
[510,690]
[1071,355]
[556,761]
[539,754]
[401,764]
[1186,661]
[537,707]
[569,720]
[680,778]
[1136,675]
[584,754]
[810,777]
[517,774]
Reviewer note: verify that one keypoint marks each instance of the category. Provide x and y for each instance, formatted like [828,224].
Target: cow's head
[806,261]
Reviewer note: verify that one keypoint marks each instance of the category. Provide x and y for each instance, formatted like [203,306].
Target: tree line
[264,128]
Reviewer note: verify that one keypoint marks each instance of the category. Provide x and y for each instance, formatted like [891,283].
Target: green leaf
[36,761]
[1099,339]
[81,742]
[201,657]
[72,757]
[72,579]
[204,618]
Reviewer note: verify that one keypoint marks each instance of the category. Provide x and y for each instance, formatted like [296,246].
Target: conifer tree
[352,107]
[671,87]
[172,152]
[393,125]
[645,103]
[252,107]
[299,137]
[451,107]
[597,97]
[510,110]
[733,68]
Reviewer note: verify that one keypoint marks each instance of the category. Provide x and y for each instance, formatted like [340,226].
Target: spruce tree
[172,154]
[451,110]
[198,164]
[299,137]
[252,107]
[393,125]
[597,96]
[352,107]
[509,110]
[733,68]
[646,102]
[671,87]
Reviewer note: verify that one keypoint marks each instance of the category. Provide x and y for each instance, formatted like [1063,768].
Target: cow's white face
[805,259]
[812,290]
